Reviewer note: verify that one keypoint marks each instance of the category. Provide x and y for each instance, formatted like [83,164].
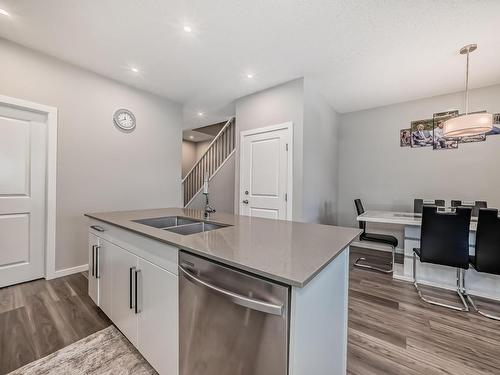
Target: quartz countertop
[285,251]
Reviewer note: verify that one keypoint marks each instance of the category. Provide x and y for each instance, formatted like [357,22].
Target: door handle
[137,308]
[245,201]
[131,287]
[251,303]
[97,253]
[97,228]
[93,260]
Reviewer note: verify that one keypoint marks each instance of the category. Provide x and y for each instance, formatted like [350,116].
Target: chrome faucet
[208,208]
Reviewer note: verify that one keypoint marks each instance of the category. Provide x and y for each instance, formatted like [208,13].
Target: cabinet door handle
[131,287]
[97,255]
[93,260]
[97,228]
[137,308]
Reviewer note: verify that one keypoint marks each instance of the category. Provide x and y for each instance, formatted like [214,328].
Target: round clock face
[124,119]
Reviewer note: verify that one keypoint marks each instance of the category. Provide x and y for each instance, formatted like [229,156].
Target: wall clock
[124,119]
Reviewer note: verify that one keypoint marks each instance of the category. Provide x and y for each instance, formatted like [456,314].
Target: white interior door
[22,195]
[266,172]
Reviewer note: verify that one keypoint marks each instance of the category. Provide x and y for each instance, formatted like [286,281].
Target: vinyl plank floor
[391,331]
[42,316]
[16,344]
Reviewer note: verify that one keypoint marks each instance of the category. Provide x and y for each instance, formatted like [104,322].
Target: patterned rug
[104,352]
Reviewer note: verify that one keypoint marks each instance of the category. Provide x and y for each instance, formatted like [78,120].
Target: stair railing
[209,163]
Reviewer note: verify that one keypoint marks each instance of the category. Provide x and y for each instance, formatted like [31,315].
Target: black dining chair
[487,257]
[419,203]
[444,240]
[474,205]
[376,238]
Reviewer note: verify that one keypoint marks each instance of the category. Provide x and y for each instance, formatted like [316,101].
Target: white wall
[99,167]
[320,180]
[273,106]
[385,176]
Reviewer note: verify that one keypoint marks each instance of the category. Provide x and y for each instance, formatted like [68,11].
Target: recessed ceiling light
[135,70]
[200,113]
[3,12]
[191,137]
[188,29]
[249,76]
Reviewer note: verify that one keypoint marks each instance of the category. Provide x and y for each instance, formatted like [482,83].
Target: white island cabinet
[140,297]
[134,278]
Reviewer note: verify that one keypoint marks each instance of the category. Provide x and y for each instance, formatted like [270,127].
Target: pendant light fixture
[468,124]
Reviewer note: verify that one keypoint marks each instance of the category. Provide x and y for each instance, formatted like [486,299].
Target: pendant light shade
[468,124]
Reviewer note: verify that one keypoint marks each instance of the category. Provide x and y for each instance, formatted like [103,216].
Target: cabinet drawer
[161,254]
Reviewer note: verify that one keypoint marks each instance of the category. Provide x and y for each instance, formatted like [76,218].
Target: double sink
[180,225]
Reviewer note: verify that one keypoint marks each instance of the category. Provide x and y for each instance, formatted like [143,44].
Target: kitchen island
[135,272]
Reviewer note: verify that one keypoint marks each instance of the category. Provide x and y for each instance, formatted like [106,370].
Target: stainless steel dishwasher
[231,323]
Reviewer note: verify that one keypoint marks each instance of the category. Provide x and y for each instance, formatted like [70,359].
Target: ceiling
[195,136]
[359,53]
[205,133]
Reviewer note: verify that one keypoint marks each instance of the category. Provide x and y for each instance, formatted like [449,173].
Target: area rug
[104,352]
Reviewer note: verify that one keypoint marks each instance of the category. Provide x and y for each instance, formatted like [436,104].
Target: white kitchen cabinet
[93,281]
[123,290]
[146,311]
[157,294]
[104,265]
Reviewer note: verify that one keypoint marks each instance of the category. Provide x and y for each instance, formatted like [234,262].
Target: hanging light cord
[467,84]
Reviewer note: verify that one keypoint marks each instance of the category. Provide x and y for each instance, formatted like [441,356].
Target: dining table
[479,284]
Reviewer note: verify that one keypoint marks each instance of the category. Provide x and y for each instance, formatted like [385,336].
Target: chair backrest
[488,242]
[445,237]
[360,210]
[419,203]
[475,207]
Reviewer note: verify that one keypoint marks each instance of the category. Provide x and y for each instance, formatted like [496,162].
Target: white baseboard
[374,246]
[69,271]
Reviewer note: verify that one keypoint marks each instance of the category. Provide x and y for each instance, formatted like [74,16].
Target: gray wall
[385,176]
[99,168]
[201,147]
[188,156]
[274,106]
[320,180]
[221,190]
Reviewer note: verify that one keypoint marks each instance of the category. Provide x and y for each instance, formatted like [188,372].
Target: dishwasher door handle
[251,303]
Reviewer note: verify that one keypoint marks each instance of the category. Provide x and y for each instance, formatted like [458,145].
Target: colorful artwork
[496,125]
[405,137]
[440,142]
[429,132]
[422,133]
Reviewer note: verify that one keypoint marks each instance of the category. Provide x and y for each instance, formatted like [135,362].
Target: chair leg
[460,289]
[369,267]
[490,316]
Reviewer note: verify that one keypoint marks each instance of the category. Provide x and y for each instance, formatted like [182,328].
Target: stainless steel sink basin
[195,228]
[165,222]
[179,225]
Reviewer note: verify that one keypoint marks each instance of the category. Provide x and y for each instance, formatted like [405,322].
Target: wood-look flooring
[391,331]
[39,317]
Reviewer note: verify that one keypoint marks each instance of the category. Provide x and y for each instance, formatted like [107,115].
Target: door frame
[51,175]
[266,129]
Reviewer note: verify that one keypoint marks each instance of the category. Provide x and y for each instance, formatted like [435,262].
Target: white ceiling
[194,136]
[360,53]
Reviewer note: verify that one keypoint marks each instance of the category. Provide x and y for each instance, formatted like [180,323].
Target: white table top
[401,218]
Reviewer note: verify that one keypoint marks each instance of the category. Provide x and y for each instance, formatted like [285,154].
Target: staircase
[219,150]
